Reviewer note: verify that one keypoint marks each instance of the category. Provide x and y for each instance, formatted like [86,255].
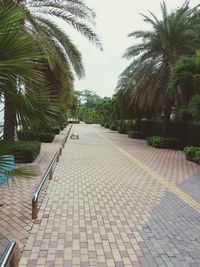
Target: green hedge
[62,126]
[164,142]
[121,130]
[24,151]
[106,125]
[31,136]
[55,130]
[130,125]
[192,153]
[136,135]
[113,127]
[189,133]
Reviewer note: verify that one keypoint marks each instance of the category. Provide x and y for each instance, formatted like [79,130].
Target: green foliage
[194,106]
[185,79]
[113,127]
[86,106]
[183,113]
[136,135]
[164,142]
[144,84]
[55,130]
[23,151]
[121,130]
[192,154]
[151,127]
[106,125]
[45,137]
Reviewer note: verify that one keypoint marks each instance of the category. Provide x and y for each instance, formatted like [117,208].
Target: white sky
[115,20]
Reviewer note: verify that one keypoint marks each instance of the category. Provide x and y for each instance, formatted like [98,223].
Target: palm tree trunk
[9,117]
[166,121]
[138,122]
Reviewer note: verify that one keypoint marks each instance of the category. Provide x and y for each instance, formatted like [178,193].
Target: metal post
[34,209]
[60,151]
[51,174]
[15,258]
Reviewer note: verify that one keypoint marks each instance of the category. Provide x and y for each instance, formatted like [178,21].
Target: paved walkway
[115,201]
[15,199]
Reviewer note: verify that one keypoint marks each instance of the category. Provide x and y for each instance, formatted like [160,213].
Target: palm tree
[18,57]
[185,79]
[61,57]
[171,36]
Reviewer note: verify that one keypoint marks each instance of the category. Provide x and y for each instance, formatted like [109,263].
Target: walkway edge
[168,185]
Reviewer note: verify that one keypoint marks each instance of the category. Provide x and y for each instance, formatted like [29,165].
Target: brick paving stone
[102,209]
[16,199]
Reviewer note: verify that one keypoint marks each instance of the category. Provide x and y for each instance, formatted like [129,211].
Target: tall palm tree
[62,59]
[18,60]
[171,36]
[18,57]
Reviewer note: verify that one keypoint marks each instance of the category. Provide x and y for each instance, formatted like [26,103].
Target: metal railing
[48,173]
[10,256]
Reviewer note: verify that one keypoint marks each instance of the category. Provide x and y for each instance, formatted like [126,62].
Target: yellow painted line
[167,184]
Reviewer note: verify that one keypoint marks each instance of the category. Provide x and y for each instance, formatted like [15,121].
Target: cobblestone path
[117,202]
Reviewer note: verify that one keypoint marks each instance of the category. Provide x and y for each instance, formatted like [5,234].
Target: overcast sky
[115,20]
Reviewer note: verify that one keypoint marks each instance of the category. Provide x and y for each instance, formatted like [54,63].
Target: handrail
[48,173]
[10,256]
[38,189]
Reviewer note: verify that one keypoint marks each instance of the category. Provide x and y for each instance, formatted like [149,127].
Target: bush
[55,130]
[188,132]
[164,142]
[46,137]
[151,128]
[62,126]
[35,136]
[191,134]
[192,153]
[136,135]
[121,130]
[24,151]
[106,125]
[113,127]
[130,125]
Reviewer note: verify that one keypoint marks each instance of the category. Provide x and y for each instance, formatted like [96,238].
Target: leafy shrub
[188,132]
[121,130]
[191,134]
[194,106]
[183,114]
[24,151]
[136,135]
[36,136]
[113,127]
[55,130]
[164,142]
[106,125]
[102,124]
[151,128]
[46,137]
[192,153]
[63,125]
[130,125]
